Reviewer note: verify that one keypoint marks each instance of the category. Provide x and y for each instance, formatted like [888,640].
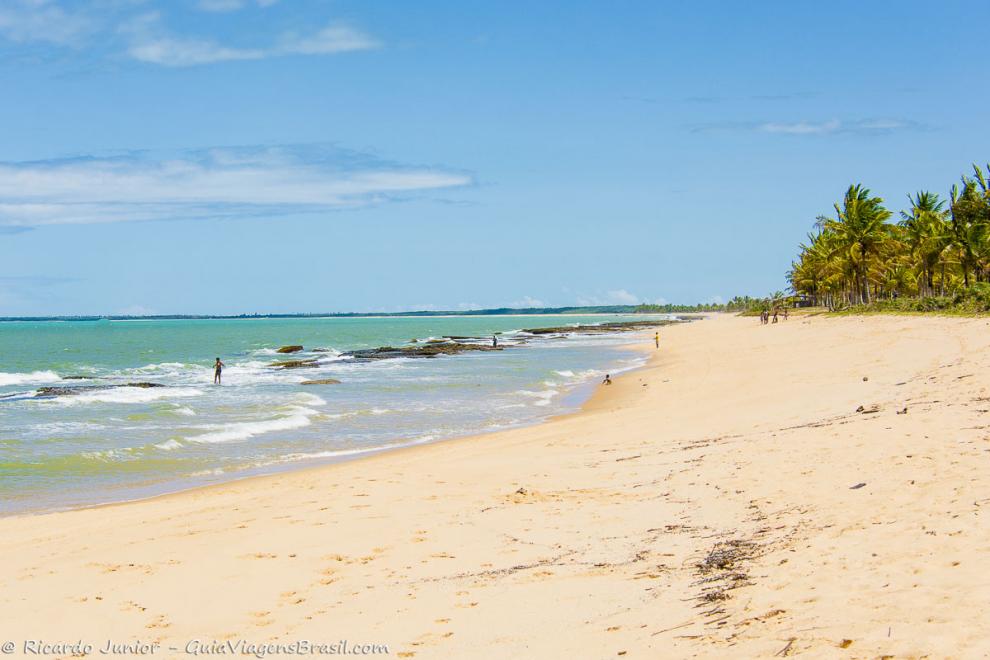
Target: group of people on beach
[765,315]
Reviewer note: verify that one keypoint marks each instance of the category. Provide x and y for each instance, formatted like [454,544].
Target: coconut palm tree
[861,228]
[927,235]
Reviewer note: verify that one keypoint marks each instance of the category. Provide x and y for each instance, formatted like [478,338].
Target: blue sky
[228,156]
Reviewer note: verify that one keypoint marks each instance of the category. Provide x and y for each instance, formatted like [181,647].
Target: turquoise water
[122,442]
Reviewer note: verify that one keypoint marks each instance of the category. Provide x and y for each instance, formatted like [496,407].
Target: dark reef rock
[82,389]
[321,381]
[603,328]
[294,364]
[292,348]
[428,351]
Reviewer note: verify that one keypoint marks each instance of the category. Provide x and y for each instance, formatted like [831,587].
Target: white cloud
[613,297]
[623,297]
[145,38]
[230,5]
[214,183]
[151,43]
[331,39]
[802,127]
[187,52]
[527,301]
[24,21]
[826,127]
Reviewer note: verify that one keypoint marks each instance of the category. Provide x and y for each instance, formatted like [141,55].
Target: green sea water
[109,441]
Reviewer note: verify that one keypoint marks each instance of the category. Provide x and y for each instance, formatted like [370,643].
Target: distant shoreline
[500,311]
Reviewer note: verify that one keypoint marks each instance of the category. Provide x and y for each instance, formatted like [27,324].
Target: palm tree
[969,222]
[857,256]
[861,228]
[927,235]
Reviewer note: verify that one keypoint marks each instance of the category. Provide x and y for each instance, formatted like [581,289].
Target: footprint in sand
[159,622]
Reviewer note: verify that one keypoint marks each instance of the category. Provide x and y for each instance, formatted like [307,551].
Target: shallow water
[126,442]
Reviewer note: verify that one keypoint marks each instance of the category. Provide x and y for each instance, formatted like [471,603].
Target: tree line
[938,248]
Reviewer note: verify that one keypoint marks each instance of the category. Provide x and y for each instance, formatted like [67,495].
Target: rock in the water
[614,326]
[294,364]
[293,348]
[425,351]
[321,381]
[81,389]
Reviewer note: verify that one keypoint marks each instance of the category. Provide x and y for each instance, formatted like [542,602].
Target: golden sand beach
[814,488]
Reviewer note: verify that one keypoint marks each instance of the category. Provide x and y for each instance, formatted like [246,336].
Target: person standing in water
[494,341]
[217,368]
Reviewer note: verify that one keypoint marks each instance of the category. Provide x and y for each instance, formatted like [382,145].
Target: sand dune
[728,500]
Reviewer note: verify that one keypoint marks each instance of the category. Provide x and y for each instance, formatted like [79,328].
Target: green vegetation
[737,304]
[936,258]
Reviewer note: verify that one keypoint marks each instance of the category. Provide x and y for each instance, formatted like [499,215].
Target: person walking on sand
[774,314]
[656,338]
[217,368]
[785,313]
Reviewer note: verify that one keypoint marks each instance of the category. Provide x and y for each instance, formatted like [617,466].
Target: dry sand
[703,506]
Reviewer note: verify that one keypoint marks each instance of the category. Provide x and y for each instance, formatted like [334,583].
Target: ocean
[107,441]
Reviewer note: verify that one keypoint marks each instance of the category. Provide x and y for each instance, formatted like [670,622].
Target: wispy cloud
[150,42]
[231,5]
[131,29]
[613,297]
[878,126]
[211,183]
[527,301]
[25,21]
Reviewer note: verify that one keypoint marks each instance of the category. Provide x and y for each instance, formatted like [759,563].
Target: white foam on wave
[297,418]
[167,366]
[207,473]
[342,453]
[128,395]
[59,428]
[169,445]
[542,397]
[307,399]
[185,411]
[565,373]
[28,378]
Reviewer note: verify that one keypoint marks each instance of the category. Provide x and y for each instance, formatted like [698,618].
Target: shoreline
[728,498]
[400,444]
